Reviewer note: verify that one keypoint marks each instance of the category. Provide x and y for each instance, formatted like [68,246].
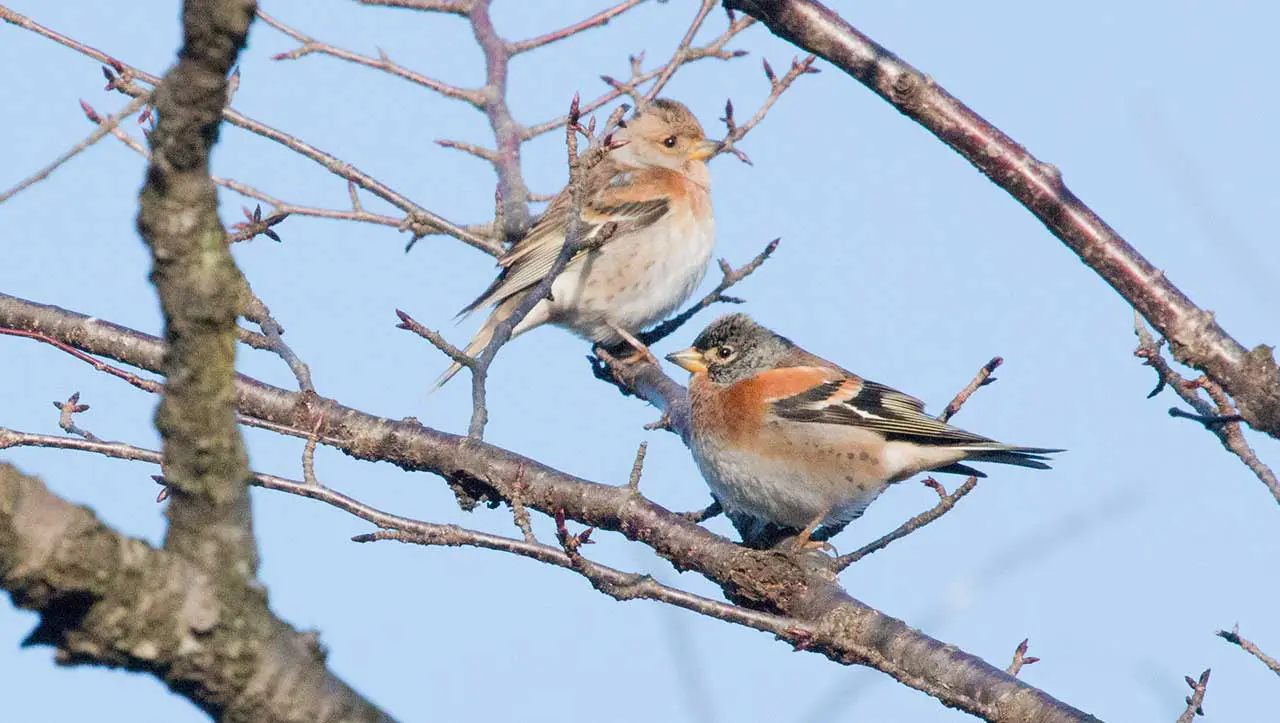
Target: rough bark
[108,599]
[845,630]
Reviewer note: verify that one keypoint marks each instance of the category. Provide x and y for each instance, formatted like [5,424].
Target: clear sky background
[898,260]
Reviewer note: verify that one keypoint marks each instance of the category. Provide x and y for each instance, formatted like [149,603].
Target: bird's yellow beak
[704,150]
[691,360]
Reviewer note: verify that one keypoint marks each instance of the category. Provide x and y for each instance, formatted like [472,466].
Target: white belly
[634,281]
[784,491]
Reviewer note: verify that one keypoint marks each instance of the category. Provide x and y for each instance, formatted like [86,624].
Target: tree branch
[1216,417]
[418,220]
[199,288]
[1251,377]
[111,600]
[843,629]
[1233,637]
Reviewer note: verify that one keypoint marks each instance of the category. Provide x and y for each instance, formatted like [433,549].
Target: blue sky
[898,260]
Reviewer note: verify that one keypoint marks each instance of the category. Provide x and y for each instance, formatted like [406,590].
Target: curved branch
[844,629]
[1250,376]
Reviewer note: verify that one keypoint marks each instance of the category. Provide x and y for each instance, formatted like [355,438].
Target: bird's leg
[642,351]
[804,541]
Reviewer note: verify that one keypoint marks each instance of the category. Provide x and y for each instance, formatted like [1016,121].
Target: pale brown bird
[651,198]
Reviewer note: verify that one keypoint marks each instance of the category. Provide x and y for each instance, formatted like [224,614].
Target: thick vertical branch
[199,288]
[1251,377]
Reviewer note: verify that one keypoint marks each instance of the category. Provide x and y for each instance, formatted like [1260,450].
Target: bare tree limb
[1251,377]
[843,628]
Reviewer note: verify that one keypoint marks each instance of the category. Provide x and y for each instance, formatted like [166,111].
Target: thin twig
[573,243]
[66,421]
[310,45]
[418,220]
[637,467]
[104,127]
[945,503]
[455,7]
[729,278]
[408,323]
[1195,701]
[713,49]
[1020,658]
[982,379]
[257,312]
[1218,416]
[146,385]
[1233,637]
[677,58]
[777,86]
[601,18]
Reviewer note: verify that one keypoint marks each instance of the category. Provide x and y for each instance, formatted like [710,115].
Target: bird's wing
[623,202]
[855,402]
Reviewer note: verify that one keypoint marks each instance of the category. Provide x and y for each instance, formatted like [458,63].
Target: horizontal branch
[844,629]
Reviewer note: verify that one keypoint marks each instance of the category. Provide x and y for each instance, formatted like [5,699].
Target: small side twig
[729,278]
[682,50]
[601,18]
[1195,701]
[945,503]
[518,511]
[1233,637]
[637,467]
[777,86]
[408,323]
[257,312]
[67,423]
[982,379]
[1020,658]
[1218,415]
[105,126]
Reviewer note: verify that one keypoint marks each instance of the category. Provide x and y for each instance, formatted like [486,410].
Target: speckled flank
[664,265]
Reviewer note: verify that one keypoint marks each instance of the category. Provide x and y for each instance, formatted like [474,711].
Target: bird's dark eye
[724,352]
[669,141]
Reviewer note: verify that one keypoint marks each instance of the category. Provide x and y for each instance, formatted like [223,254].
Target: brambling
[792,440]
[650,200]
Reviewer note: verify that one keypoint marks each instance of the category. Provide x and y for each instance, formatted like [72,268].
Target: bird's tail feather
[475,346]
[500,314]
[1033,457]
